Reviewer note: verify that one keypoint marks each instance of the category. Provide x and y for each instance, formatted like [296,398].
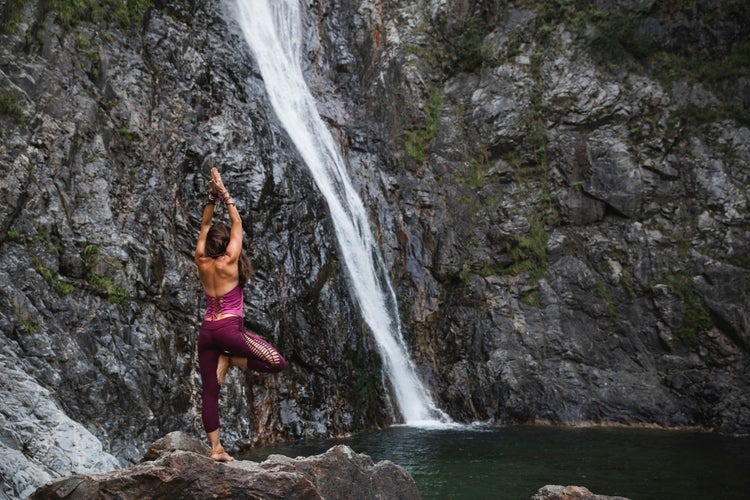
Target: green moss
[53,279]
[537,137]
[105,285]
[742,261]
[457,42]
[69,12]
[529,159]
[490,270]
[528,251]
[465,274]
[532,299]
[13,235]
[626,280]
[127,134]
[90,255]
[476,171]
[615,34]
[465,45]
[123,13]
[11,15]
[575,13]
[29,325]
[692,116]
[417,140]
[603,293]
[670,66]
[44,272]
[696,318]
[43,238]
[10,107]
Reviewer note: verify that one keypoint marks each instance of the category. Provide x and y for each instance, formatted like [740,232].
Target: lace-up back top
[230,303]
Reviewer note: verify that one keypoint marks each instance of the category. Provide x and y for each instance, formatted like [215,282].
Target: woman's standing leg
[208,357]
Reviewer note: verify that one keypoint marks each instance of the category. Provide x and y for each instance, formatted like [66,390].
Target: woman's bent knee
[280,364]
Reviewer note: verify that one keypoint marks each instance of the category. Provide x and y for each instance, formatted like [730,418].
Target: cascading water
[272,29]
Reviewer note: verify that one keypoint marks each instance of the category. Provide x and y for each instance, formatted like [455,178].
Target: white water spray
[272,29]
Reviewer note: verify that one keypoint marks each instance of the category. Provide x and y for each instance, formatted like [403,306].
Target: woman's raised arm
[234,248]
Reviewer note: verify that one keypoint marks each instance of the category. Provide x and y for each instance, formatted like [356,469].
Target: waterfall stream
[273,31]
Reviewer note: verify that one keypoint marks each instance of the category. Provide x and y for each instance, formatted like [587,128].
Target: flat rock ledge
[557,492]
[177,466]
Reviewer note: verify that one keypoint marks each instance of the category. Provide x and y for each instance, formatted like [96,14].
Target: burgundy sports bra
[231,302]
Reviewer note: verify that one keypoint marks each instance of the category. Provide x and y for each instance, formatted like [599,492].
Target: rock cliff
[560,190]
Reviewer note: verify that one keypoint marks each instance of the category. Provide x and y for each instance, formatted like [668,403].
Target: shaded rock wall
[564,196]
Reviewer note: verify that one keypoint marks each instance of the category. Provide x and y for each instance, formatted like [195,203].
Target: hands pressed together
[217,188]
[217,185]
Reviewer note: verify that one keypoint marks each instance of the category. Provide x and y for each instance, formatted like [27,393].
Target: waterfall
[273,31]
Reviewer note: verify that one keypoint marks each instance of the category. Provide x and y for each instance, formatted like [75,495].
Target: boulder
[178,466]
[557,492]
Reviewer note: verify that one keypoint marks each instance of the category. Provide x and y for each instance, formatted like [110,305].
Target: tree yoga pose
[223,342]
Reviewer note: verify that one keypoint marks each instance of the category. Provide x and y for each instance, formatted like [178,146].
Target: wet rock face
[556,214]
[567,230]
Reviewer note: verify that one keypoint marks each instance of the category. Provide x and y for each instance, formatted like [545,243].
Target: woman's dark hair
[216,246]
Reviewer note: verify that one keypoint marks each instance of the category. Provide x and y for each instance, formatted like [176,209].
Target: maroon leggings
[228,335]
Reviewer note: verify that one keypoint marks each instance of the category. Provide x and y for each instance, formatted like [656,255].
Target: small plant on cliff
[465,44]
[127,134]
[10,107]
[90,255]
[11,15]
[14,236]
[29,325]
[114,293]
[531,298]
[417,140]
[476,171]
[53,279]
[528,251]
[104,284]
[458,39]
[696,318]
[124,13]
[603,293]
[536,139]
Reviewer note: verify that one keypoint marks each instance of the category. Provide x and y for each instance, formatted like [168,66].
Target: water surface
[513,462]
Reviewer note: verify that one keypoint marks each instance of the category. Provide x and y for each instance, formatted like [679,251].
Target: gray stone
[557,492]
[178,466]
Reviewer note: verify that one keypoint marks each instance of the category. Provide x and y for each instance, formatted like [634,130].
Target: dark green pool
[513,462]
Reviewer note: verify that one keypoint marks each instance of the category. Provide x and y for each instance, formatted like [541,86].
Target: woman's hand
[217,185]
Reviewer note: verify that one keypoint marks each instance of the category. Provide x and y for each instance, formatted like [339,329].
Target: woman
[223,342]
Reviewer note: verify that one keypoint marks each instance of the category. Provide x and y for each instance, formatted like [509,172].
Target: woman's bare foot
[219,455]
[222,368]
